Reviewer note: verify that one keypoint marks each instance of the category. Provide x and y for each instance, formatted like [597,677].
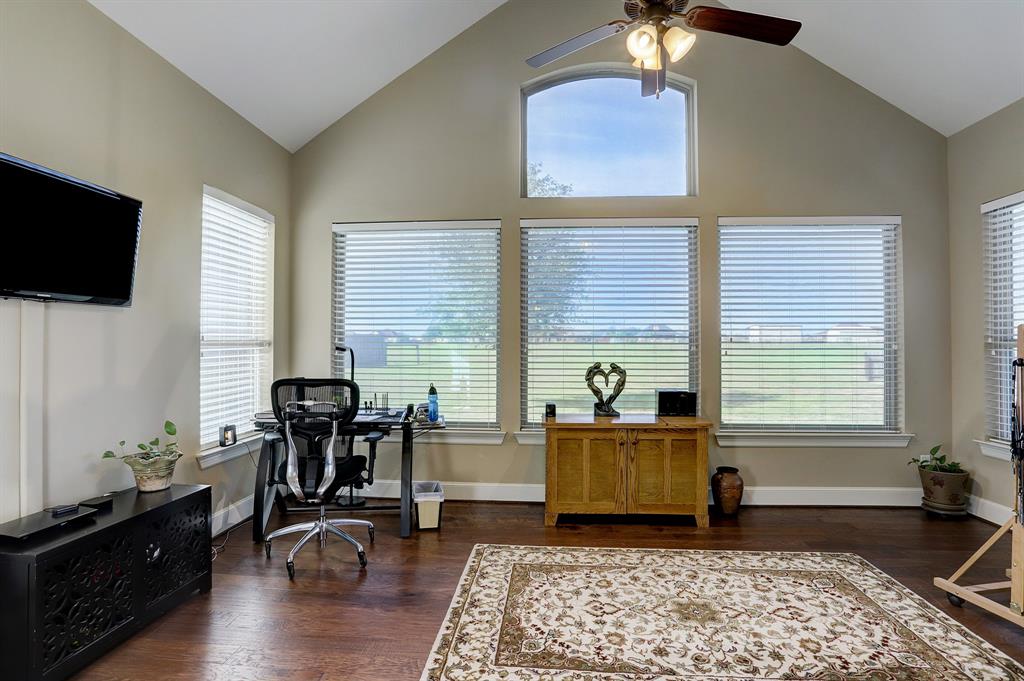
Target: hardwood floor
[336,622]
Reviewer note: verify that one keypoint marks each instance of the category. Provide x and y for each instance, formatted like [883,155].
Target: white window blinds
[236,314]
[811,324]
[607,291]
[1004,305]
[418,303]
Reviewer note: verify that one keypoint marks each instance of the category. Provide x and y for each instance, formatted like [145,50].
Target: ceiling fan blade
[578,43]
[742,24]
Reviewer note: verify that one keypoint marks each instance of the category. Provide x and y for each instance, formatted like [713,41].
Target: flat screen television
[65,239]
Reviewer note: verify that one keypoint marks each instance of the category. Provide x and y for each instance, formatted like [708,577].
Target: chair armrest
[373,437]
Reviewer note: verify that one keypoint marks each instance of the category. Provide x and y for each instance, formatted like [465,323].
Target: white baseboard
[241,510]
[831,496]
[989,510]
[465,491]
[752,496]
[238,512]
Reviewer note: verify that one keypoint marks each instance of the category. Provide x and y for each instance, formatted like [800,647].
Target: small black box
[103,503]
[673,402]
[549,410]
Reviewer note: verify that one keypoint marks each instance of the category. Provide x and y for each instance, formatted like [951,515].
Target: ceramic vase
[727,490]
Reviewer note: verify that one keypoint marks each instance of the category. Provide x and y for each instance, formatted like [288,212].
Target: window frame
[526,429]
[459,434]
[894,435]
[996,398]
[267,216]
[673,81]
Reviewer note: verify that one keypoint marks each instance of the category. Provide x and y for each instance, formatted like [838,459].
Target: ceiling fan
[654,43]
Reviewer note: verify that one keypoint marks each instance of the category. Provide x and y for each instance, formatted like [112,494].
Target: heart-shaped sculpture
[603,407]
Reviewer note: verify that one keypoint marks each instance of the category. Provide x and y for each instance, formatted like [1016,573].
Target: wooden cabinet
[627,464]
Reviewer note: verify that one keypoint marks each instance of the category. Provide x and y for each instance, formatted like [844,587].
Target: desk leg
[264,495]
[406,513]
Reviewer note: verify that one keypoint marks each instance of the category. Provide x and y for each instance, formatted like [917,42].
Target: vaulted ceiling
[294,67]
[947,63]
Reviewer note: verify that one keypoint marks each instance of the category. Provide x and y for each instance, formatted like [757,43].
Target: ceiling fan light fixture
[678,42]
[643,42]
[650,63]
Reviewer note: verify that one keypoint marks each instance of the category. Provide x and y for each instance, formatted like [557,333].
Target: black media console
[72,593]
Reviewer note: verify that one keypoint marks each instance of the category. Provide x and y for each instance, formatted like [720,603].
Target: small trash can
[428,497]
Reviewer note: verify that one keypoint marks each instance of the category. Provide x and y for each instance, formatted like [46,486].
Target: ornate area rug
[559,613]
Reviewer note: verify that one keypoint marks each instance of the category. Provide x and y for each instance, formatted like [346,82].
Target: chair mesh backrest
[339,391]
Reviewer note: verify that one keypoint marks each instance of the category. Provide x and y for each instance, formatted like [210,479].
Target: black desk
[272,453]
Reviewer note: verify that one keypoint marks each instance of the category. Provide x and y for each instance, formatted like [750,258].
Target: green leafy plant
[936,462]
[154,449]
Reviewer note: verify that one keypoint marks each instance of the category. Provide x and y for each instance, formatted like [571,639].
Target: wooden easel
[959,594]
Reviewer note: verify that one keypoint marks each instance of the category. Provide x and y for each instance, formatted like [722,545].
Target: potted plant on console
[153,464]
[943,482]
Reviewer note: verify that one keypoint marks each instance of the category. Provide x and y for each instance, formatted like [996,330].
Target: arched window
[588,132]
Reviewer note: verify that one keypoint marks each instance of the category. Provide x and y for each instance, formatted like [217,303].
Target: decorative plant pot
[727,490]
[944,493]
[152,474]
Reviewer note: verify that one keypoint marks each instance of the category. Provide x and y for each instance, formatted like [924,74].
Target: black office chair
[319,412]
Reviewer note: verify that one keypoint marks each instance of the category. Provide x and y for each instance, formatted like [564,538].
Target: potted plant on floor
[943,482]
[153,464]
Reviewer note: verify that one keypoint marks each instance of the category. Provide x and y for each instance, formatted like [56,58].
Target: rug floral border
[464,599]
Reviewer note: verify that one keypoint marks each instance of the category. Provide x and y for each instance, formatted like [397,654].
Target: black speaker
[549,410]
[676,402]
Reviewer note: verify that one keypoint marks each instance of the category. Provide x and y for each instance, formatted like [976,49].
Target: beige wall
[986,161]
[778,134]
[79,94]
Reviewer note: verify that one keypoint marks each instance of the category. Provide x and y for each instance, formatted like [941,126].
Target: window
[236,314]
[622,291]
[588,133]
[1004,308]
[811,324]
[418,304]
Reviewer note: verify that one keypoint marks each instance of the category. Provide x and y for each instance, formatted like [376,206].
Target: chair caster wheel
[955,600]
[371,535]
[266,548]
[362,559]
[291,571]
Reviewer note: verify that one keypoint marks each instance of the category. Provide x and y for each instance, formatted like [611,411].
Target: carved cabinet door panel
[84,595]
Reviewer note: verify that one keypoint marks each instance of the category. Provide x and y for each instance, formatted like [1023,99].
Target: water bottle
[432,413]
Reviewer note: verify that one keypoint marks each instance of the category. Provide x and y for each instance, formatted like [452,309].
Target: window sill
[819,439]
[530,437]
[453,436]
[218,455]
[995,450]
